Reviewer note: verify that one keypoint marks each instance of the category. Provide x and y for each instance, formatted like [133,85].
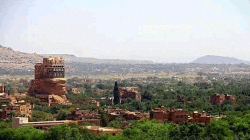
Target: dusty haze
[161,31]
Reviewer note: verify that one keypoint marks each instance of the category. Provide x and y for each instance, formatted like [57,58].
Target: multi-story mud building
[201,117]
[129,92]
[179,115]
[128,115]
[52,67]
[1,88]
[164,114]
[220,98]
[49,84]
[83,116]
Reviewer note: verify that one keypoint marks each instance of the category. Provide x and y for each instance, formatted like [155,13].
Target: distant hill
[20,63]
[10,59]
[69,58]
[213,59]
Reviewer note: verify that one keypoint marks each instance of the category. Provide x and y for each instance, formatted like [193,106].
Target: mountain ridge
[11,59]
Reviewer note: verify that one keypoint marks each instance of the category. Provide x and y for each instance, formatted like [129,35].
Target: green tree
[104,117]
[63,132]
[116,94]
[218,130]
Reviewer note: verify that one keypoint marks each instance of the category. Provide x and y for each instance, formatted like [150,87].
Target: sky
[163,31]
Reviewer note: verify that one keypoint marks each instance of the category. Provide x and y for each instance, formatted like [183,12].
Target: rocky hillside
[15,60]
[20,63]
[212,59]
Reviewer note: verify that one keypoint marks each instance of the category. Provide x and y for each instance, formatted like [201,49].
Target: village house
[108,100]
[129,92]
[22,108]
[85,116]
[186,102]
[179,115]
[164,114]
[90,101]
[1,88]
[4,113]
[220,98]
[201,117]
[128,115]
[4,100]
[75,90]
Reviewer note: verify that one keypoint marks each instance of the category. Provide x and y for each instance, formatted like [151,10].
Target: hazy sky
[162,30]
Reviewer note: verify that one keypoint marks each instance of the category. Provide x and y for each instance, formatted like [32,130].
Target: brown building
[49,84]
[90,101]
[179,115]
[230,98]
[163,114]
[128,115]
[75,90]
[1,88]
[85,116]
[98,130]
[22,108]
[4,113]
[201,117]
[4,100]
[220,98]
[129,92]
[107,100]
[7,90]
[186,102]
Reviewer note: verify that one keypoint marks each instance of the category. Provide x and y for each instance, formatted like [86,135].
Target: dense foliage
[233,127]
[236,124]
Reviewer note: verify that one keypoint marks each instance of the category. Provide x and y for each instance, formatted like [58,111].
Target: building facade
[179,115]
[220,98]
[83,116]
[129,92]
[1,88]
[201,117]
[49,84]
[164,114]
